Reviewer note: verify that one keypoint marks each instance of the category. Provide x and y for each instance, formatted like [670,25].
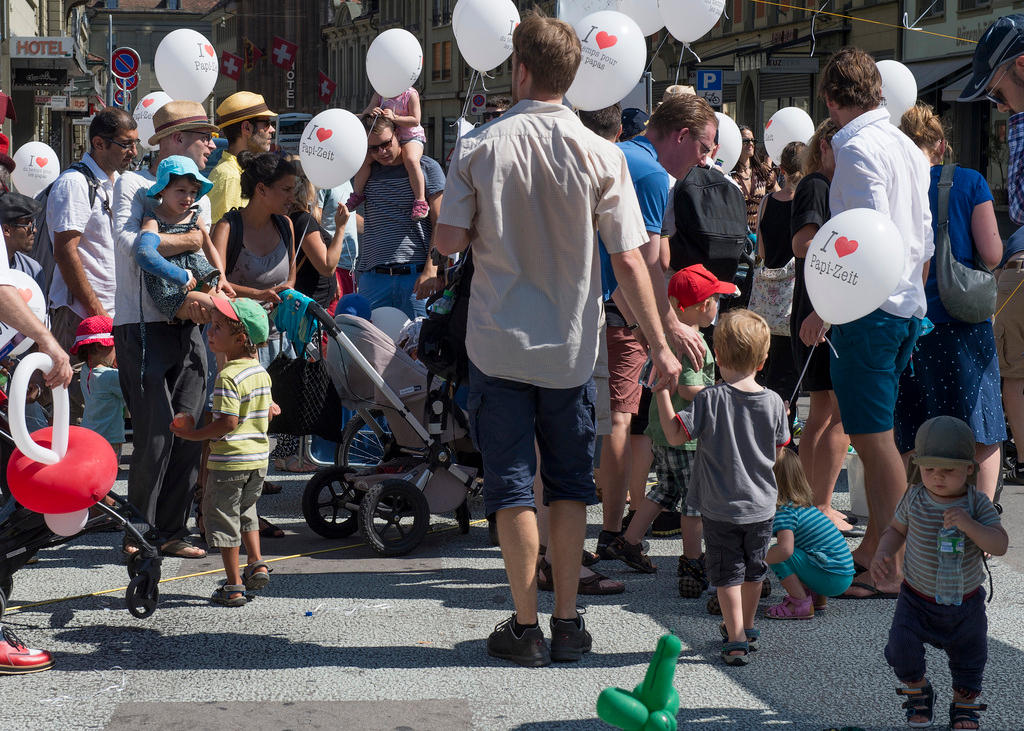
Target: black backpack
[235,235]
[711,223]
[42,248]
[442,346]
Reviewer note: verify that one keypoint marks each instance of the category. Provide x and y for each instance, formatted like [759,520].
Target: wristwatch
[634,326]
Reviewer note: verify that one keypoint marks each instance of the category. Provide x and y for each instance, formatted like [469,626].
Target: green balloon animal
[652,705]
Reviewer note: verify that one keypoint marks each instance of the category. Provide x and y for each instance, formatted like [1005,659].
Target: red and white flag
[231,65]
[283,53]
[325,88]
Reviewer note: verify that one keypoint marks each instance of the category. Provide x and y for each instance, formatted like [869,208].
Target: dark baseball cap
[944,441]
[634,122]
[15,205]
[1003,41]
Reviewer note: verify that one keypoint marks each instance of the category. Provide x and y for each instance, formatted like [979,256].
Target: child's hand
[956,518]
[190,284]
[883,568]
[182,424]
[275,410]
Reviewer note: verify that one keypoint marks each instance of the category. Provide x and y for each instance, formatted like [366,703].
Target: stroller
[415,470]
[24,532]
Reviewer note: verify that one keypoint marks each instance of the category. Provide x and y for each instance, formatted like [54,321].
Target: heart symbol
[769,124]
[41,161]
[209,49]
[26,294]
[845,246]
[147,102]
[322,134]
[604,40]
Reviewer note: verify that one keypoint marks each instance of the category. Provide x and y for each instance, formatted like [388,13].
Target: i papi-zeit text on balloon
[833,269]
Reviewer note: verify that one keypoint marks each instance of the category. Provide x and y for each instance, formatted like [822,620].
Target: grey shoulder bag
[968,294]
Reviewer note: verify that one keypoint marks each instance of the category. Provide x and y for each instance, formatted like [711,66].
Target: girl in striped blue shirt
[810,556]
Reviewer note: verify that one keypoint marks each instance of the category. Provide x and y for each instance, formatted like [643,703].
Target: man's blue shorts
[873,351]
[506,417]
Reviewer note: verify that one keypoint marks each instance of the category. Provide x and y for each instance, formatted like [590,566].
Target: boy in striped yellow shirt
[239,447]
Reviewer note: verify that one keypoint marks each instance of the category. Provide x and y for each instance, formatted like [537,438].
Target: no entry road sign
[124,62]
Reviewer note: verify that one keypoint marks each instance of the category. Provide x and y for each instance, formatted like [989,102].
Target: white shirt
[67,209]
[878,167]
[129,207]
[532,187]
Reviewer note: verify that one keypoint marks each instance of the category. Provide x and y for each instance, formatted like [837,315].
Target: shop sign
[42,48]
[78,104]
[790,65]
[32,77]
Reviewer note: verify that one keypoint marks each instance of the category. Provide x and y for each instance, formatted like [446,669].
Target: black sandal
[729,647]
[919,702]
[753,636]
[960,711]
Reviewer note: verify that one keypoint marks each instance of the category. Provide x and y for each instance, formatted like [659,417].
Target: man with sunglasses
[248,124]
[18,222]
[999,78]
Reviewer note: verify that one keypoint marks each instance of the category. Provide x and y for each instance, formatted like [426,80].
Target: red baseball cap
[95,329]
[695,283]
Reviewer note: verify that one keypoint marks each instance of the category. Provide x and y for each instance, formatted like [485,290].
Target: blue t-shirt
[650,180]
[817,536]
[969,190]
[104,403]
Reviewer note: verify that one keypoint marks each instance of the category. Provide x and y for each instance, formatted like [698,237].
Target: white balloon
[576,10]
[484,33]
[614,54]
[688,20]
[186,65]
[37,167]
[61,412]
[789,124]
[67,524]
[853,264]
[899,89]
[389,319]
[332,147]
[457,17]
[13,343]
[144,111]
[730,142]
[393,62]
[645,13]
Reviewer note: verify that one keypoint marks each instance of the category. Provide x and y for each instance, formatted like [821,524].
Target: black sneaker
[631,554]
[603,539]
[666,524]
[693,579]
[528,649]
[569,639]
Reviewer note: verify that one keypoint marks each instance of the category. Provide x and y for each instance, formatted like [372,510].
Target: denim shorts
[872,353]
[507,417]
[734,552]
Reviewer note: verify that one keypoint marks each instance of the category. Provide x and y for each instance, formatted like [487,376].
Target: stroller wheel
[394,517]
[7,586]
[142,596]
[327,503]
[363,444]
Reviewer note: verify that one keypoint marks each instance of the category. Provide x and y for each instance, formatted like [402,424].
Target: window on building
[932,8]
[174,4]
[111,3]
[441,70]
[973,4]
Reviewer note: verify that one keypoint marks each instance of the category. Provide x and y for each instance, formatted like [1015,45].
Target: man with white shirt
[80,221]
[877,167]
[162,364]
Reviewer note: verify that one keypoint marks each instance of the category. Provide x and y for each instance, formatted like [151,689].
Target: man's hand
[667,366]
[686,341]
[427,284]
[270,295]
[60,374]
[198,312]
[225,288]
[812,330]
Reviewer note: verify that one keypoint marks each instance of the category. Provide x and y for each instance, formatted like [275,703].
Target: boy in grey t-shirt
[941,601]
[739,427]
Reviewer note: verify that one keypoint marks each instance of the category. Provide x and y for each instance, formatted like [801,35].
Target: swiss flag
[325,88]
[230,65]
[283,53]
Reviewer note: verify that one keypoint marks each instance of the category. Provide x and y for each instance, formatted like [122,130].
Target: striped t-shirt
[242,390]
[922,515]
[389,235]
[817,536]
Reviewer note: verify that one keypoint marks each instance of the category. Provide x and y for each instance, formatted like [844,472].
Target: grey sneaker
[528,649]
[569,639]
[631,554]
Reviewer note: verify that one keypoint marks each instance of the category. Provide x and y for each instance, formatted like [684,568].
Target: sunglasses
[22,224]
[382,147]
[751,141]
[488,116]
[996,97]
[130,145]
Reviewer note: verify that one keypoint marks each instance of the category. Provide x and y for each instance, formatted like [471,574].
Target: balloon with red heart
[614,52]
[332,147]
[60,469]
[186,65]
[853,265]
[36,166]
[13,343]
[144,111]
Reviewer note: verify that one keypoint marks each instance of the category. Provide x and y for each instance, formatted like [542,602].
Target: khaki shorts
[229,505]
[1009,324]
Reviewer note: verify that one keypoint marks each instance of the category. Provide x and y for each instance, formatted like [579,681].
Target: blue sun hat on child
[179,165]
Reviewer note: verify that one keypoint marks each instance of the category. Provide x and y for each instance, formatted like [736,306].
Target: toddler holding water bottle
[947,524]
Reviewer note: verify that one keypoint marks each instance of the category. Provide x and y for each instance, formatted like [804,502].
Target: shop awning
[956,88]
[930,74]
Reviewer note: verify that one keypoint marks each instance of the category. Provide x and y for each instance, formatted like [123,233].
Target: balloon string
[679,64]
[1008,298]
[656,51]
[469,93]
[799,382]
[689,48]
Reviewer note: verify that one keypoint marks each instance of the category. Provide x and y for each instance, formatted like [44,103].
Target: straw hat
[180,116]
[241,106]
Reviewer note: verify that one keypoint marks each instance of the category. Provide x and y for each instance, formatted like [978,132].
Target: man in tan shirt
[527,191]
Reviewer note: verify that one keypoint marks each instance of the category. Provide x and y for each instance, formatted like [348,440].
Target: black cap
[15,205]
[1004,40]
[634,122]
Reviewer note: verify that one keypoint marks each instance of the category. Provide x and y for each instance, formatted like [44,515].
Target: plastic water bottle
[949,581]
[444,303]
